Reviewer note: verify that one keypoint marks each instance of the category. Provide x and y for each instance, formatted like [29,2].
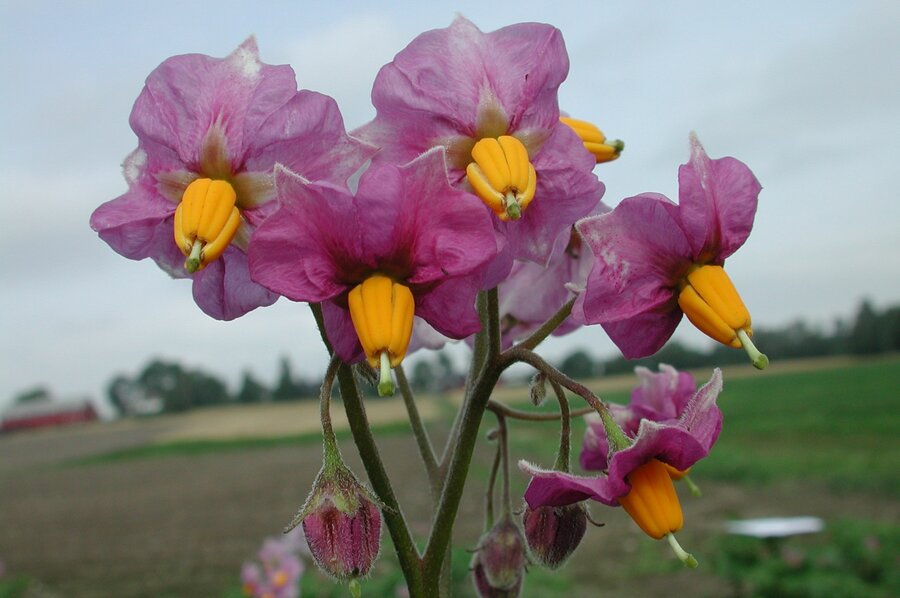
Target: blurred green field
[810,438]
[838,426]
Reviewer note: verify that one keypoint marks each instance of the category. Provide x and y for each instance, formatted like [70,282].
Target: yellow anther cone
[712,304]
[652,501]
[502,175]
[382,313]
[653,504]
[206,221]
[594,140]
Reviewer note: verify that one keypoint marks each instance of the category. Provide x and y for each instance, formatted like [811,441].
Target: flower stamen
[654,506]
[712,304]
[594,140]
[502,175]
[206,221]
[382,313]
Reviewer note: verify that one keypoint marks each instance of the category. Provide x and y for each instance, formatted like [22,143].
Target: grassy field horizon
[171,505]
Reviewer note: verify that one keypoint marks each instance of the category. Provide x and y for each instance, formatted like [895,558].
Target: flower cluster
[468,208]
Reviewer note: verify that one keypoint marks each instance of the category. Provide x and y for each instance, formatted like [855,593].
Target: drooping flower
[490,99]
[659,397]
[637,477]
[656,260]
[210,132]
[407,243]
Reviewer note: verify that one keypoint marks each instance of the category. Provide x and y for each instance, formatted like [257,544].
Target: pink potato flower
[659,397]
[656,260]
[225,123]
[680,443]
[405,244]
[460,88]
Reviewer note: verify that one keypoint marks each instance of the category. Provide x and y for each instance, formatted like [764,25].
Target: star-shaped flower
[210,132]
[490,99]
[407,243]
[657,260]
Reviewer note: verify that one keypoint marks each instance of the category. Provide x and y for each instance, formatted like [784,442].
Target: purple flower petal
[662,396]
[187,94]
[680,444]
[448,82]
[640,252]
[224,290]
[550,488]
[307,135]
[450,307]
[644,334]
[340,332]
[437,231]
[717,204]
[567,190]
[138,225]
[308,247]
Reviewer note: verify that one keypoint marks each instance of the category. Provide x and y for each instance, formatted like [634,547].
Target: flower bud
[501,554]
[538,389]
[553,533]
[483,587]
[342,523]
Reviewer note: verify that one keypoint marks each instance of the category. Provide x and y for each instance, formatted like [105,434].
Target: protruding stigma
[385,382]
[382,313]
[685,557]
[758,359]
[502,175]
[594,140]
[712,304]
[206,221]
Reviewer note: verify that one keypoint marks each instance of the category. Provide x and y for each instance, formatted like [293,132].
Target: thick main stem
[464,435]
[368,452]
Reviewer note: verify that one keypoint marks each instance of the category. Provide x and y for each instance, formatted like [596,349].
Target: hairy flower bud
[342,523]
[483,587]
[553,533]
[538,389]
[501,555]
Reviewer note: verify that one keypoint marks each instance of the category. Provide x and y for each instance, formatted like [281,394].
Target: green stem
[563,462]
[519,353]
[332,455]
[393,515]
[502,439]
[461,444]
[548,327]
[489,493]
[512,413]
[487,343]
[423,441]
[493,323]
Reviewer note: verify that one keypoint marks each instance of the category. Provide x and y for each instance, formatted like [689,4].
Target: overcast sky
[806,93]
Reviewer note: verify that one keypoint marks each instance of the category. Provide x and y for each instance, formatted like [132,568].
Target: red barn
[46,412]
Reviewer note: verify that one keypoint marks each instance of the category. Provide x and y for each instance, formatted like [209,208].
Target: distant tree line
[164,386]
[871,332]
